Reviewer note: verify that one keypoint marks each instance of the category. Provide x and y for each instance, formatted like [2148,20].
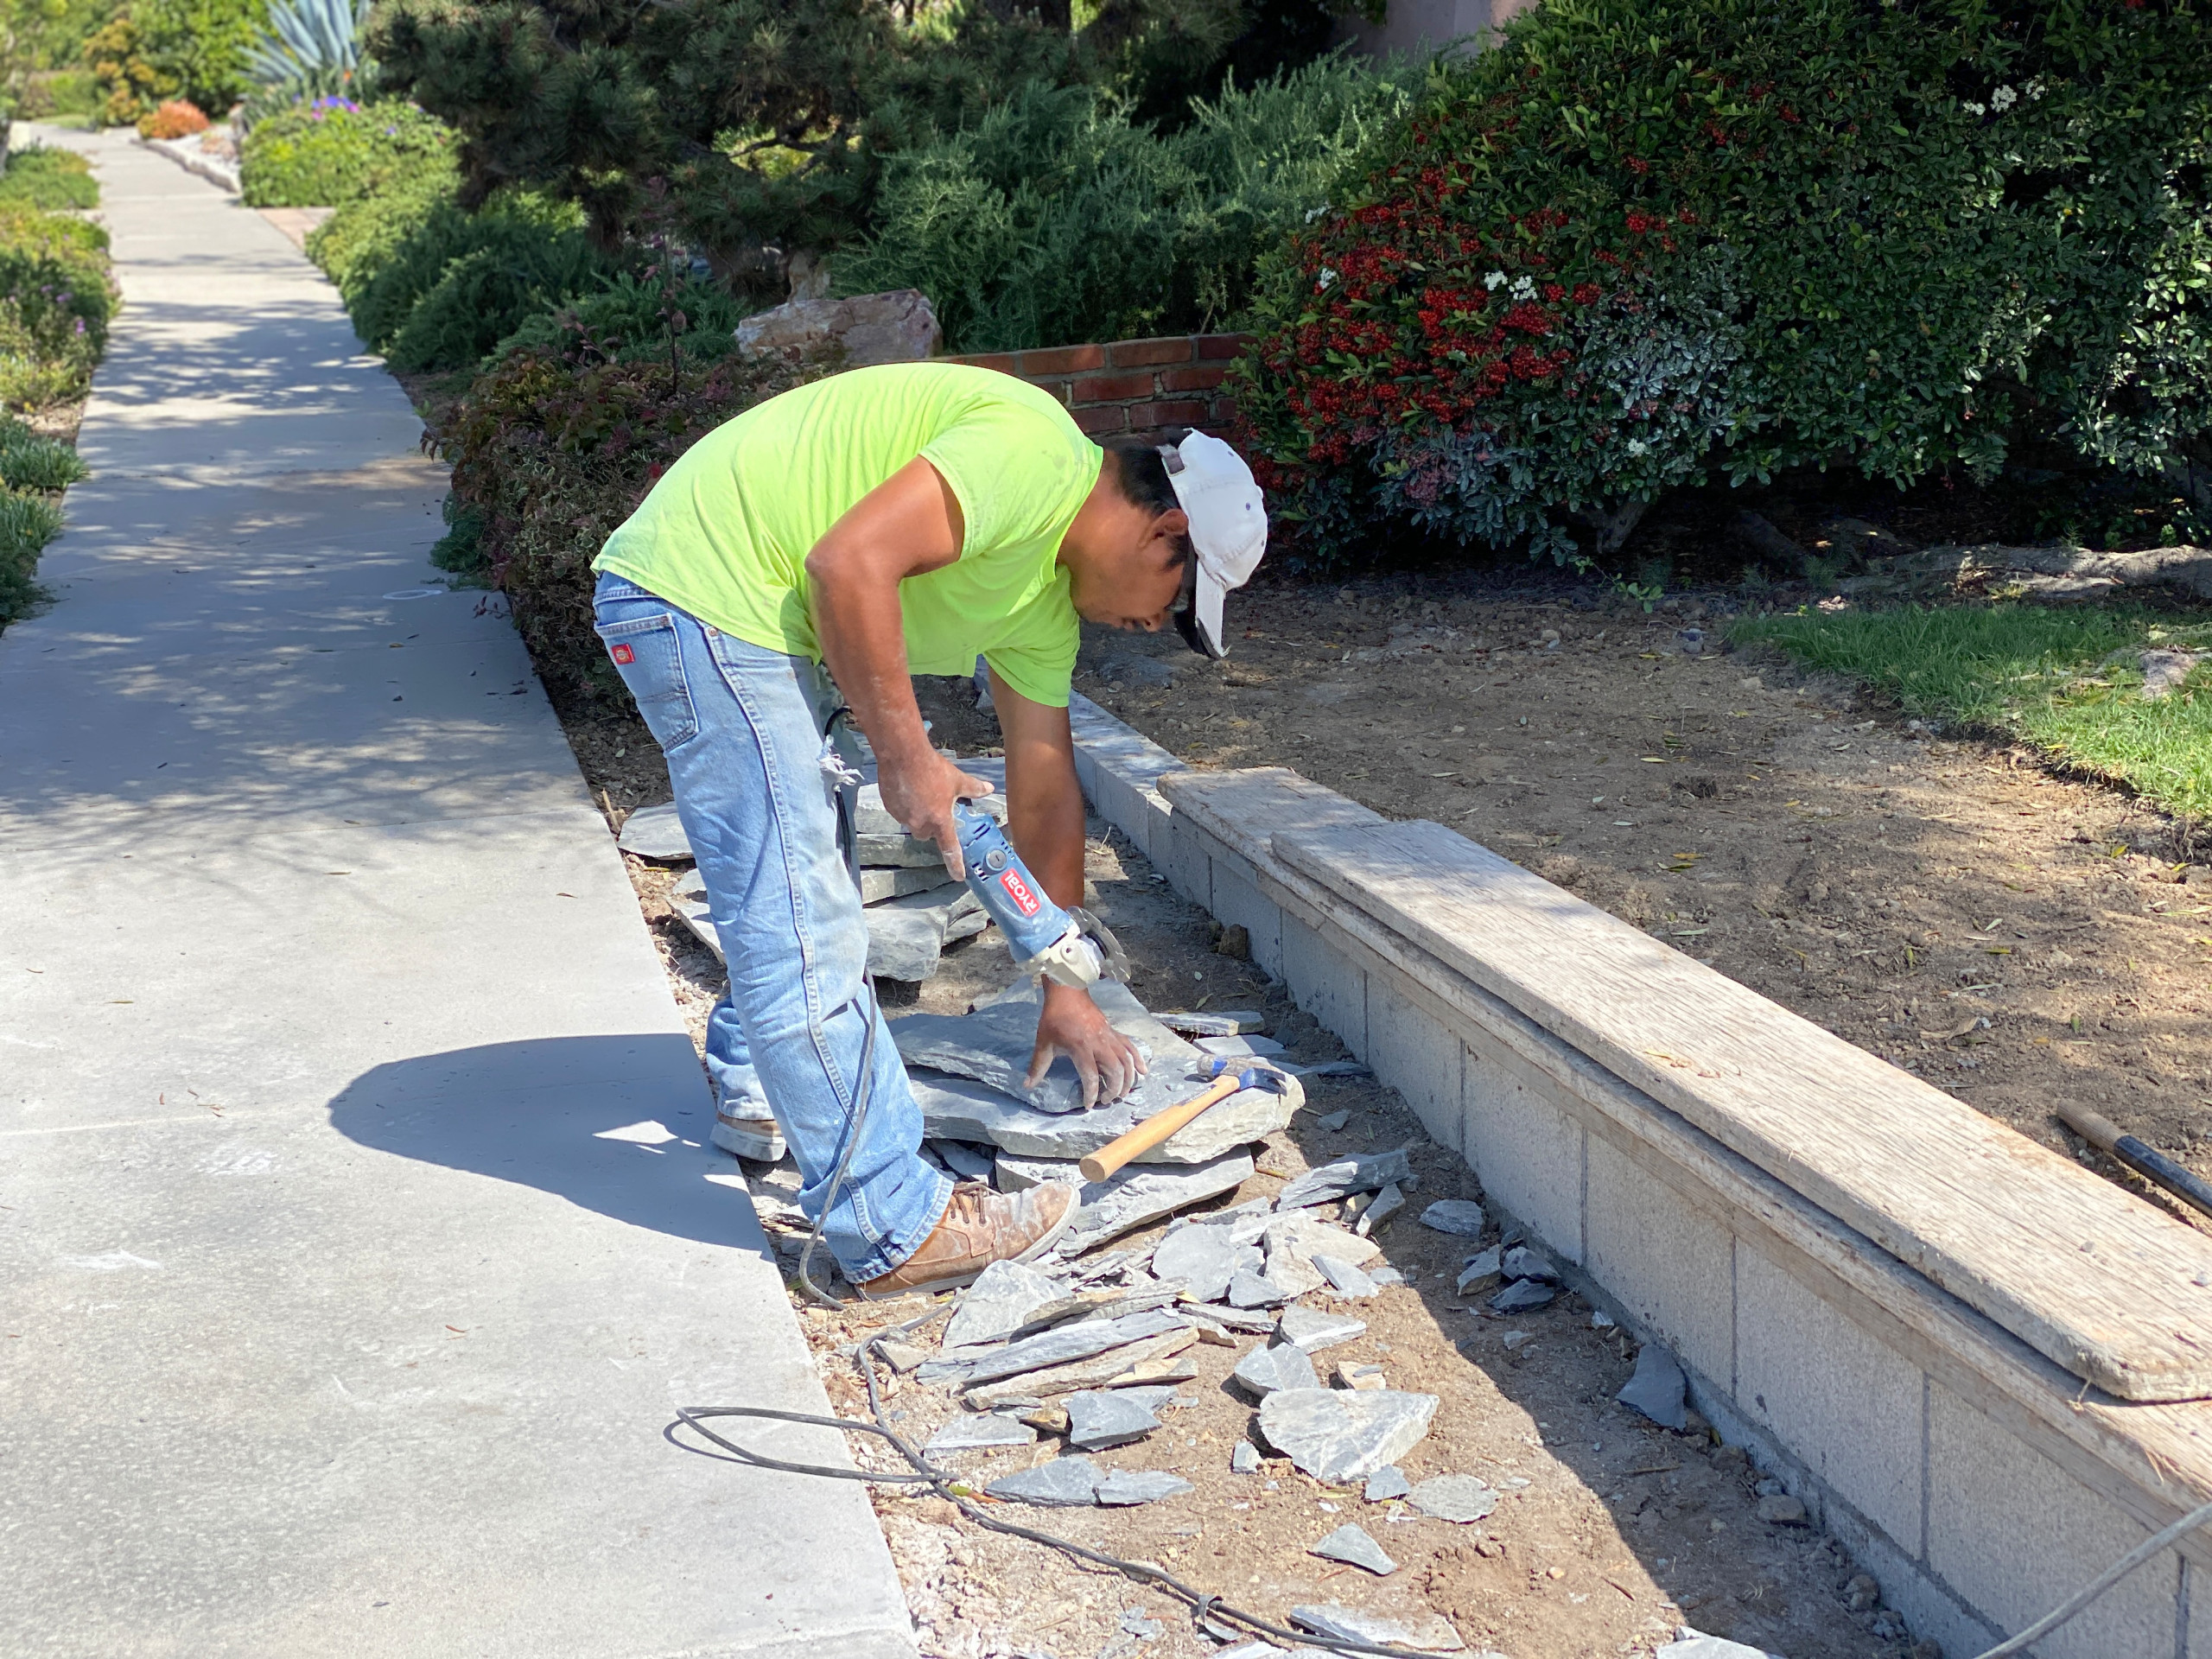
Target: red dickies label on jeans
[1017,890]
[622,654]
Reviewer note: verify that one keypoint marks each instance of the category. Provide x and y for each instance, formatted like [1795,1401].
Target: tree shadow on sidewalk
[615,1124]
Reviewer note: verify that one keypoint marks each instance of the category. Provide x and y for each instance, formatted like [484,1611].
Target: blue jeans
[743,728]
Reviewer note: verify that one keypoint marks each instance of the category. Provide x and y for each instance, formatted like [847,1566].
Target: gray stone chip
[1338,1436]
[1270,1370]
[1459,1216]
[1004,1296]
[1101,1418]
[1063,1483]
[1523,1296]
[1385,1484]
[979,1431]
[1341,1181]
[1205,1259]
[1313,1331]
[1244,1459]
[1658,1389]
[1125,1488]
[1521,1262]
[1350,1542]
[1345,1279]
[1429,1633]
[656,833]
[1463,1498]
[1250,1289]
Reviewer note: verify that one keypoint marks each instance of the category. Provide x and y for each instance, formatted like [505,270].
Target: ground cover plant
[2071,681]
[38,176]
[1637,246]
[1057,218]
[327,151]
[56,297]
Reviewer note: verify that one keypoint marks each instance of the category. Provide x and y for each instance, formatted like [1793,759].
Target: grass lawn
[2066,680]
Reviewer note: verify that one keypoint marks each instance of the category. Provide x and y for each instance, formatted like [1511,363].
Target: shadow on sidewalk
[613,1124]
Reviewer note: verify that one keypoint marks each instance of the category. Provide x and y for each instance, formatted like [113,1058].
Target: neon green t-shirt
[726,532]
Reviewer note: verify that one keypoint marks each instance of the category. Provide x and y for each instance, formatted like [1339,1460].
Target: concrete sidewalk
[357,1235]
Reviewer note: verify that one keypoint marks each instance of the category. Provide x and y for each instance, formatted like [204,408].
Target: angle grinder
[1069,946]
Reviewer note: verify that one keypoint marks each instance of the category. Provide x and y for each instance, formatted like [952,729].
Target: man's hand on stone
[920,796]
[1107,1064]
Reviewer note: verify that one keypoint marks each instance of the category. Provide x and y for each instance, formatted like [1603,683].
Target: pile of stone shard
[914,907]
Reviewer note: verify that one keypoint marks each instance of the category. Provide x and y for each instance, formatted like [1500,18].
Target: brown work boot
[980,1227]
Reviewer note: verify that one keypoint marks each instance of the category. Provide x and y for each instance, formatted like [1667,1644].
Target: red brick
[1063,359]
[1212,347]
[1055,384]
[1223,412]
[1136,354]
[1174,414]
[1111,388]
[1204,378]
[1110,418]
[1004,362]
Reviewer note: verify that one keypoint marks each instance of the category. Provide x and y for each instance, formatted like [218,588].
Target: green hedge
[624,320]
[330,152]
[56,298]
[1647,242]
[1055,219]
[49,179]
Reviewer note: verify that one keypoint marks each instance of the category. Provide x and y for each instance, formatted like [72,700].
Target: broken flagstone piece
[1151,1360]
[1342,1179]
[1656,1391]
[1690,1643]
[1098,1419]
[1345,1279]
[1428,1633]
[876,885]
[1249,1288]
[1524,1296]
[1521,1262]
[656,833]
[1311,1330]
[1333,1121]
[1351,1543]
[968,1163]
[1460,1216]
[1212,1022]
[1240,1048]
[1480,1269]
[1294,1240]
[998,1303]
[1244,1458]
[1463,1498]
[1254,1320]
[1385,1484]
[1385,1205]
[1060,1346]
[1338,1437]
[1132,1196]
[1125,1488]
[1205,1259]
[1269,1370]
[1063,1483]
[985,1431]
[907,935]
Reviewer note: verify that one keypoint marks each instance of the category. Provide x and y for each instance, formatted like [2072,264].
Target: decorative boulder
[895,328]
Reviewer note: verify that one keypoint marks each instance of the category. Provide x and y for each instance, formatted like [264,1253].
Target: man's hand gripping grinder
[1071,947]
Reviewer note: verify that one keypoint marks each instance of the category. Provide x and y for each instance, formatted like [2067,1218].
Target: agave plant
[311,48]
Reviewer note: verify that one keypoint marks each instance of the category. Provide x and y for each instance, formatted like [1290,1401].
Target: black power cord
[950,1487]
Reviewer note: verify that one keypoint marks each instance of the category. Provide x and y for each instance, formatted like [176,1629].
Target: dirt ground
[2012,935]
[1617,1533]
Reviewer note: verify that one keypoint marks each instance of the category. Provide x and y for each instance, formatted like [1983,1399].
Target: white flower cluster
[1313,213]
[1525,288]
[1327,277]
[2003,100]
[1492,280]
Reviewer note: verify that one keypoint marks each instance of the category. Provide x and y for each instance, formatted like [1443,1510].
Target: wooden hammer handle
[1154,1129]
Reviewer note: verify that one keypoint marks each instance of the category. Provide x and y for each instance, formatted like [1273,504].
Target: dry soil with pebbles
[2015,936]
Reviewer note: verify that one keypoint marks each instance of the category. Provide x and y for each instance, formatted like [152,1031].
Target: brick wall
[1131,388]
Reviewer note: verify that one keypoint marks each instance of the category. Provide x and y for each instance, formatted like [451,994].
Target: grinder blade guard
[1069,946]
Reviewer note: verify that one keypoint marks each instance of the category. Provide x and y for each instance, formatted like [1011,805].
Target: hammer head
[1251,1073]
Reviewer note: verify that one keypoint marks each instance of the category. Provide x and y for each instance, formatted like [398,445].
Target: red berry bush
[1646,244]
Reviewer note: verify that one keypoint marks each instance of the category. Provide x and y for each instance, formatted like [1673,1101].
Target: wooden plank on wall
[1996,1220]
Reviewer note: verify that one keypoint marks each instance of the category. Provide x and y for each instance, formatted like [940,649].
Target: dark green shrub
[199,46]
[549,456]
[358,240]
[30,462]
[1055,219]
[27,523]
[56,297]
[623,321]
[49,179]
[518,268]
[1645,242]
[329,152]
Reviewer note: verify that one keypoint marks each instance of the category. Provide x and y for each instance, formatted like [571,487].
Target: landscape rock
[655,832]
[1481,1267]
[1294,1240]
[1345,1279]
[1244,1459]
[1459,1216]
[1125,1488]
[907,935]
[1256,1320]
[1341,1181]
[2164,670]
[1384,1205]
[1152,1359]
[1098,1419]
[1524,1296]
[1063,1483]
[1051,1348]
[1247,1288]
[999,1302]
[1695,1644]
[1204,1259]
[896,327]
[1521,1262]
[1269,1370]
[1428,1633]
[1782,1510]
[1336,1436]
[1462,1498]
[1312,1330]
[1658,1389]
[980,1430]
[1213,1022]
[1385,1484]
[1386,1277]
[1351,1543]
[1235,1048]
[1132,1196]
[1333,1121]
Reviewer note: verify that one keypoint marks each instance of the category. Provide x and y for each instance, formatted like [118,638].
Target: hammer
[1157,1127]
[2145,1160]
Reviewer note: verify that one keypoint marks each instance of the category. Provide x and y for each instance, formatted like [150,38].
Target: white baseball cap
[1229,531]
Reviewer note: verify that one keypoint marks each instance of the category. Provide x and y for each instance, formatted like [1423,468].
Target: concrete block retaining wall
[1132,388]
[1979,1481]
